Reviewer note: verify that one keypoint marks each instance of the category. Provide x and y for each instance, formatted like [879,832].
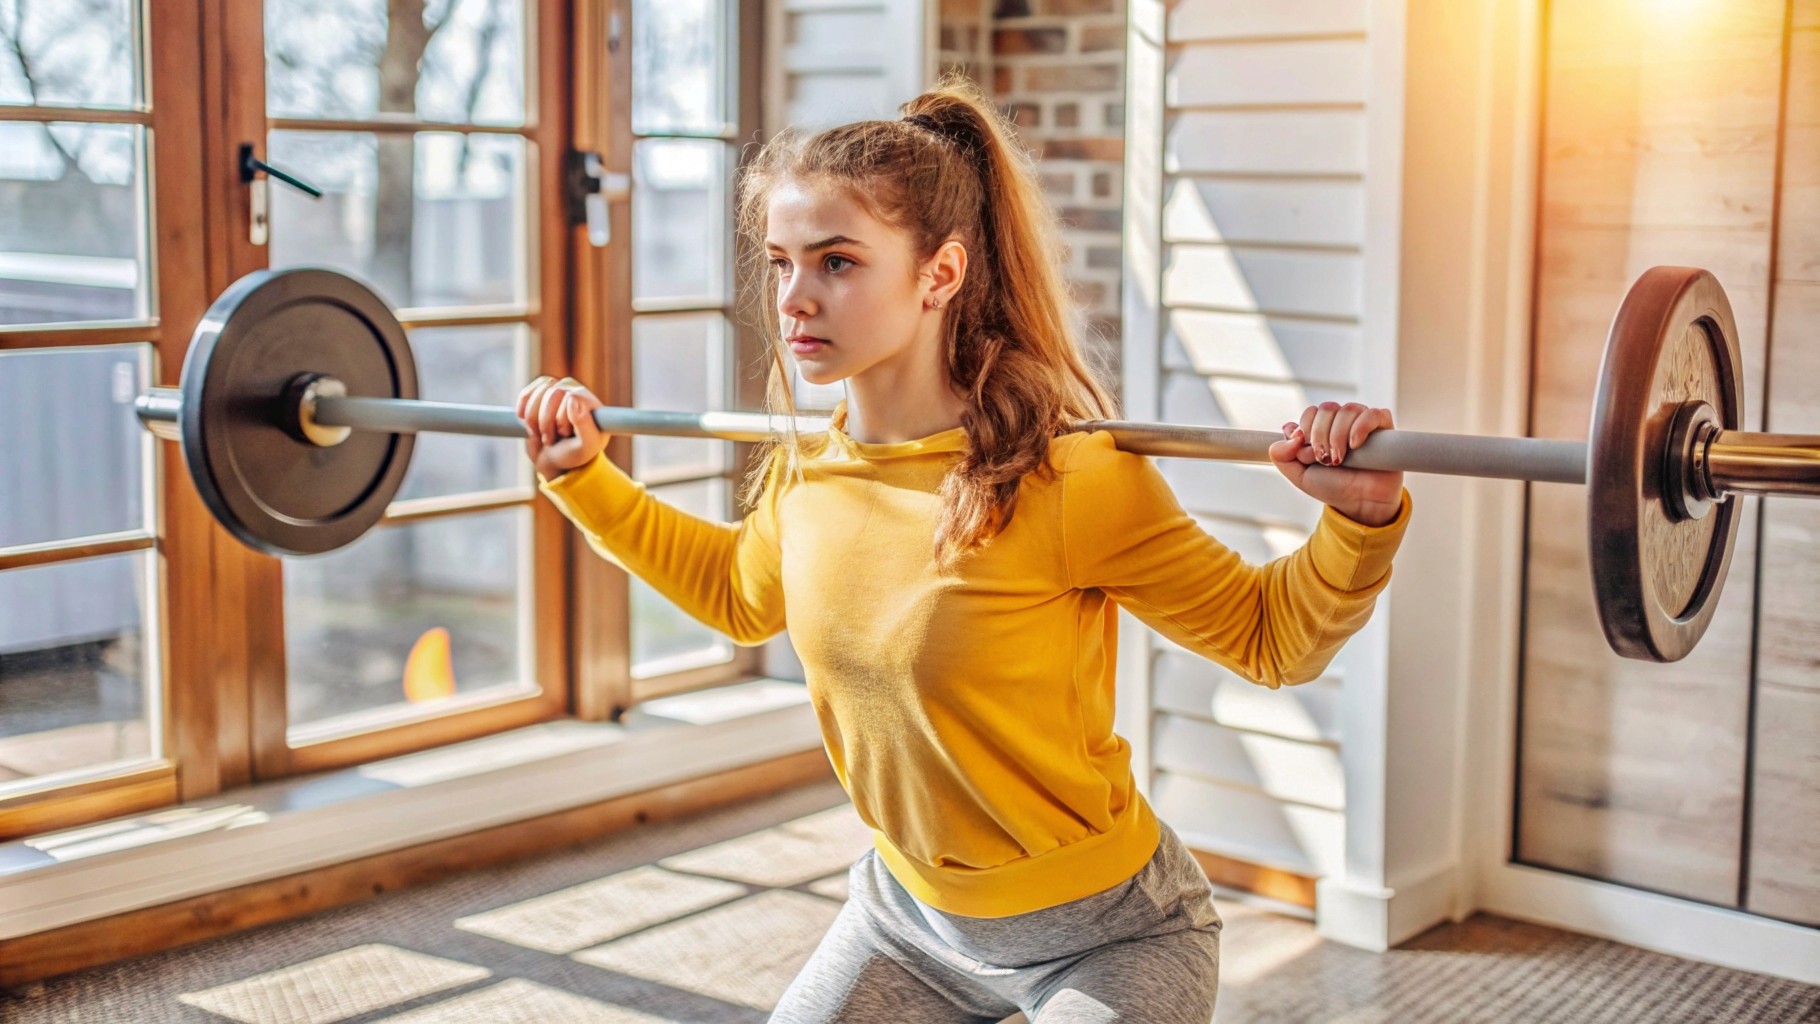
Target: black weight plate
[1657,577]
[274,492]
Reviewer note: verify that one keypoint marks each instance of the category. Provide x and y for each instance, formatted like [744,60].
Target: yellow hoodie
[969,712]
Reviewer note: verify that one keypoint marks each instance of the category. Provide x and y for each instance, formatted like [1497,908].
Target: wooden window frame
[180,537]
[221,652]
[259,578]
[604,311]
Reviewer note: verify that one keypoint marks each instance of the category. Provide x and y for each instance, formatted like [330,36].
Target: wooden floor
[706,919]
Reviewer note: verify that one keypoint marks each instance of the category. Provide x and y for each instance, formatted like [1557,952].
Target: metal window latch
[258,222]
[591,188]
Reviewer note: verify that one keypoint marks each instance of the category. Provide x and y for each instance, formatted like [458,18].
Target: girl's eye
[832,260]
[779,264]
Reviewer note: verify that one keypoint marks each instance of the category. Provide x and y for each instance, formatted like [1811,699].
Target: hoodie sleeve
[727,575]
[1125,533]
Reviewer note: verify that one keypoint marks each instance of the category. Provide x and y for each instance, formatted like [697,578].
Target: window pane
[77,691]
[72,454]
[679,363]
[70,54]
[680,219]
[72,240]
[678,66]
[664,637]
[475,365]
[451,590]
[460,61]
[433,222]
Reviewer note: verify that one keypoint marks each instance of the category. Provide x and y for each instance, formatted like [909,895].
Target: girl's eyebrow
[826,243]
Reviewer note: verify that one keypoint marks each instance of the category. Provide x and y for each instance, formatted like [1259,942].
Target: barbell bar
[1450,454]
[1736,462]
[297,410]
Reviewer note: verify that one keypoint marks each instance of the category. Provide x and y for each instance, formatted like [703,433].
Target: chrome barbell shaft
[1741,462]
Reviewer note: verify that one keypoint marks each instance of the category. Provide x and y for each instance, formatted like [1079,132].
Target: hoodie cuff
[1352,556]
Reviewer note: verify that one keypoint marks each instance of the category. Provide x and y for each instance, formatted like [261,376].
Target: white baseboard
[1376,918]
[278,829]
[1698,931]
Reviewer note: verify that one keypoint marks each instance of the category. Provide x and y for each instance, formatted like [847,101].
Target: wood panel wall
[1783,872]
[1661,144]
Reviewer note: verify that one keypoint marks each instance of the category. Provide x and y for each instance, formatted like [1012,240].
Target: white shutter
[833,61]
[1245,300]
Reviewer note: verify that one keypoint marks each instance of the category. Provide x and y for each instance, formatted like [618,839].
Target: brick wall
[1058,66]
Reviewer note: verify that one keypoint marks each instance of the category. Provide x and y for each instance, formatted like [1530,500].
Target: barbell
[297,410]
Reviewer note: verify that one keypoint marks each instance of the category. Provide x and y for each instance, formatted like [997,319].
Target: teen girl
[948,559]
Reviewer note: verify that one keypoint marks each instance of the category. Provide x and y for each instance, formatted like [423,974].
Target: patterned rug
[707,919]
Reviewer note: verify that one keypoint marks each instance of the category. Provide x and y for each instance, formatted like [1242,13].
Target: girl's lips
[805,345]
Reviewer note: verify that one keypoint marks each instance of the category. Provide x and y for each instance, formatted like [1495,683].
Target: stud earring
[936,302]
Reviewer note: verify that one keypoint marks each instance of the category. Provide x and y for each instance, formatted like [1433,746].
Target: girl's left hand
[1314,449]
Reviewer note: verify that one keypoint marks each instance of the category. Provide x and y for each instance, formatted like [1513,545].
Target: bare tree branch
[488,32]
[14,41]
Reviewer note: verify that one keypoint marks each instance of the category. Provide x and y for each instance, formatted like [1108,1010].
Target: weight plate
[1658,578]
[273,491]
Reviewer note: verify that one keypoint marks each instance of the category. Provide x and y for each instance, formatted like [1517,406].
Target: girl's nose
[792,302]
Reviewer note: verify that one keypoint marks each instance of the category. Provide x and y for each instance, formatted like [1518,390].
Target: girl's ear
[945,271]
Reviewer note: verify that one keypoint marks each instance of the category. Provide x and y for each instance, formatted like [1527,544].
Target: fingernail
[1289,428]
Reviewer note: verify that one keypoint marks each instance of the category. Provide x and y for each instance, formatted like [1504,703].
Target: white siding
[1262,346]
[1245,824]
[1291,281]
[833,61]
[1186,685]
[1328,71]
[1265,210]
[1259,19]
[1254,200]
[1266,143]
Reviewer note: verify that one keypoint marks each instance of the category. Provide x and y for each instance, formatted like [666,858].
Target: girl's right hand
[559,425]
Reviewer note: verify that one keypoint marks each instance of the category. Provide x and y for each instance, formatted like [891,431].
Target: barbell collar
[299,409]
[160,411]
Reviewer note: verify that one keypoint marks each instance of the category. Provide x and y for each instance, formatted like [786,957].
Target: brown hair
[950,169]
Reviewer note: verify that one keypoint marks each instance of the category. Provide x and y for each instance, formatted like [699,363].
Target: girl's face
[850,293]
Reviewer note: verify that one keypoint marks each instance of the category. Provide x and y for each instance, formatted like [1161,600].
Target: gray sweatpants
[1147,949]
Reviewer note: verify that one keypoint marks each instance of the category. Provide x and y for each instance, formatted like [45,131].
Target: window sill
[282,828]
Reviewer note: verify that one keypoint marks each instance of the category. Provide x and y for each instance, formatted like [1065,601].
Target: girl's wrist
[1372,513]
